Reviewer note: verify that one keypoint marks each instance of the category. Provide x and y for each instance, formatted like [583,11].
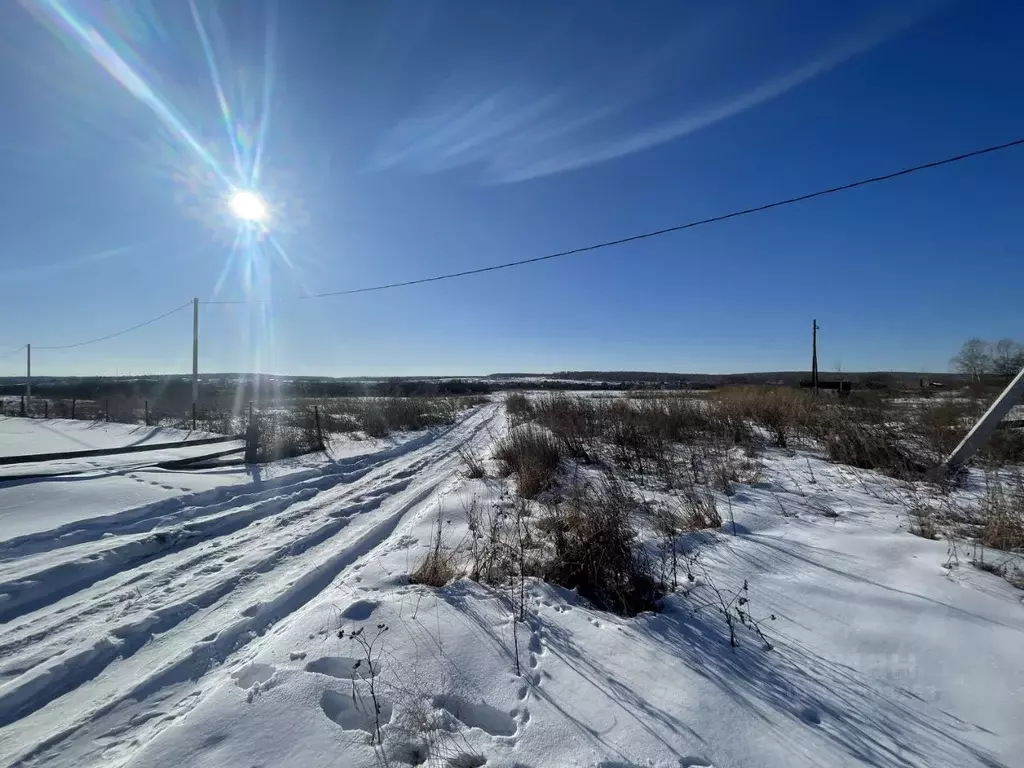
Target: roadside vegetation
[604,495]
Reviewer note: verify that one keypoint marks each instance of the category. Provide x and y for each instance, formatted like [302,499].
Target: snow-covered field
[212,626]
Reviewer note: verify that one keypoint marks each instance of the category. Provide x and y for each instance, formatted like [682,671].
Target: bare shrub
[532,454]
[595,550]
[937,427]
[284,433]
[734,608]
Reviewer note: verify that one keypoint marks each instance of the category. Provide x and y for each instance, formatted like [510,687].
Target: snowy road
[219,628]
[105,613]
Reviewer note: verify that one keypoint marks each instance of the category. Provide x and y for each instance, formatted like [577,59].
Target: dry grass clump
[572,420]
[441,564]
[595,550]
[781,412]
[1002,512]
[865,445]
[379,416]
[532,454]
[474,464]
[518,408]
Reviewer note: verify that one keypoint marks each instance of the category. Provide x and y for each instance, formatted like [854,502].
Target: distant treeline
[260,389]
[176,390]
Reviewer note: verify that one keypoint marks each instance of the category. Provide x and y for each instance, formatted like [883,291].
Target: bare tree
[973,359]
[1007,357]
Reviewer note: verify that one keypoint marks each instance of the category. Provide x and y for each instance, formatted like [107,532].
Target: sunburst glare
[225,185]
[248,206]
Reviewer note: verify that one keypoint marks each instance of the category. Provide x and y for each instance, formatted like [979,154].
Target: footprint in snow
[483,716]
[354,713]
[342,667]
[360,610]
[253,674]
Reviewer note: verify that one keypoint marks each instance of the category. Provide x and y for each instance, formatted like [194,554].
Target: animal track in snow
[253,674]
[354,713]
[360,610]
[342,667]
[482,716]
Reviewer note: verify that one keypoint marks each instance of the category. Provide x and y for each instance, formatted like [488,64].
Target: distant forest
[178,388]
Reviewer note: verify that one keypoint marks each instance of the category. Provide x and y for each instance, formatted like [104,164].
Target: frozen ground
[204,631]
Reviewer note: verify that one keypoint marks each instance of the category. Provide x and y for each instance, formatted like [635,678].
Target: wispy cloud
[524,131]
[75,262]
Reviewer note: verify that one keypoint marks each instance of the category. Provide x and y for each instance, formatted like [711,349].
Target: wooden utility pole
[195,358]
[814,355]
[28,380]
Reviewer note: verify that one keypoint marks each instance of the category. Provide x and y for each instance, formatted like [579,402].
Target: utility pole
[195,358]
[986,425]
[814,355]
[28,379]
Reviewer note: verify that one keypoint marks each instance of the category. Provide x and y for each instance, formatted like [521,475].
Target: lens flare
[248,206]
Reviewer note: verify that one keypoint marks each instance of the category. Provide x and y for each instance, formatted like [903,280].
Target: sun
[247,206]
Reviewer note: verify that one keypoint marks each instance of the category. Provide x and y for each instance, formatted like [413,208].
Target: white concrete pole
[987,424]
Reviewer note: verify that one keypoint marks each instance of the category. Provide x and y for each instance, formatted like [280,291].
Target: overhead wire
[678,227]
[13,351]
[121,332]
[572,251]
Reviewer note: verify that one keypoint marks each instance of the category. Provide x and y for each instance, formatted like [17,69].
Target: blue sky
[403,139]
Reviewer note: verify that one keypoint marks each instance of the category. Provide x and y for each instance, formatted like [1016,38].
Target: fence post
[252,439]
[46,409]
[106,409]
[147,411]
[73,407]
[319,434]
[193,416]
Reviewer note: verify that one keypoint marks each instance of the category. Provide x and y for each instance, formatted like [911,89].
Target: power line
[658,232]
[13,352]
[121,333]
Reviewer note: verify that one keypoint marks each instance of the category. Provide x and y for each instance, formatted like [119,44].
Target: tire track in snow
[45,624]
[23,592]
[71,670]
[291,574]
[148,516]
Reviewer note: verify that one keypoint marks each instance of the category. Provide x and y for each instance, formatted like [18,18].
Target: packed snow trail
[143,603]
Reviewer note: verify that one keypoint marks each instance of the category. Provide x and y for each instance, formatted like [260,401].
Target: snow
[25,436]
[92,487]
[202,629]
